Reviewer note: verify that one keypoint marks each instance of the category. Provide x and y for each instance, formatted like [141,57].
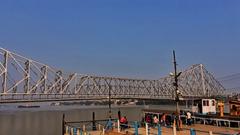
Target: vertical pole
[176,75]
[84,128]
[27,75]
[119,114]
[110,124]
[146,128]
[99,127]
[114,124]
[136,127]
[93,122]
[63,124]
[44,77]
[109,102]
[78,131]
[174,128]
[66,131]
[5,64]
[57,81]
[210,133]
[203,82]
[192,131]
[81,132]
[103,131]
[75,131]
[118,125]
[159,130]
[72,131]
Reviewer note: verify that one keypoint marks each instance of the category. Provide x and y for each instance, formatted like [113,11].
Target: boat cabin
[234,108]
[204,106]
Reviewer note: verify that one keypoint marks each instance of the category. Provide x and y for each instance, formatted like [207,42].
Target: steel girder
[24,79]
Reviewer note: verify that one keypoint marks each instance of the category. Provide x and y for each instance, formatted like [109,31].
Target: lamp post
[109,102]
[177,93]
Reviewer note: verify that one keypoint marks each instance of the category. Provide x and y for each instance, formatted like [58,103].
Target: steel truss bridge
[23,79]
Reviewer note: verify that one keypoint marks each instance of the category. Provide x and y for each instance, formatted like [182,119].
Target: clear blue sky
[127,38]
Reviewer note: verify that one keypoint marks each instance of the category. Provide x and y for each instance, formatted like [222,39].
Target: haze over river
[47,119]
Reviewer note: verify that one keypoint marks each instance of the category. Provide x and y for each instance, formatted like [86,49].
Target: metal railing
[218,122]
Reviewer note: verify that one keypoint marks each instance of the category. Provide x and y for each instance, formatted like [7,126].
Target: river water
[46,120]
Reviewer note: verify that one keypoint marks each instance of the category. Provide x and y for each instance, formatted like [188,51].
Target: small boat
[28,106]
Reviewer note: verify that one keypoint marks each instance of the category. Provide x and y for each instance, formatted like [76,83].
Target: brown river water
[46,120]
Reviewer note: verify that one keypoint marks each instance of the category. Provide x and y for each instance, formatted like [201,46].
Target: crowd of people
[163,120]
[167,119]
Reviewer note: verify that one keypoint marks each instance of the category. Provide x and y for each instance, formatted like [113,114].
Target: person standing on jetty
[148,119]
[155,121]
[189,118]
[163,119]
[123,122]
